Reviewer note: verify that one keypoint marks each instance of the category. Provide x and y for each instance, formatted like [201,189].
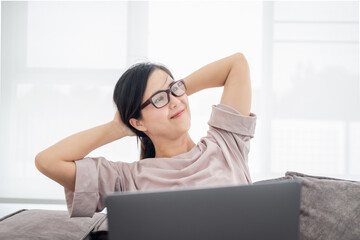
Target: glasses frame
[168,91]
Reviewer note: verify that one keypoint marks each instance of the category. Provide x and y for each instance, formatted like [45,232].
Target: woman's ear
[137,124]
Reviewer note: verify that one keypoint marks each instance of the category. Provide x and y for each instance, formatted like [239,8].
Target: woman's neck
[174,147]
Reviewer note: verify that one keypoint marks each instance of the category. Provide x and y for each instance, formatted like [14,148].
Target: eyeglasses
[161,98]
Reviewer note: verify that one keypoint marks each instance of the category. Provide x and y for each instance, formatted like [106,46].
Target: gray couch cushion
[330,208]
[48,224]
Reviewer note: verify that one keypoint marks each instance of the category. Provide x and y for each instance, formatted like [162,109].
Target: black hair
[128,95]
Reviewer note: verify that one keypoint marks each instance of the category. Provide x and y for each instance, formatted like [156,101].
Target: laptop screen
[257,211]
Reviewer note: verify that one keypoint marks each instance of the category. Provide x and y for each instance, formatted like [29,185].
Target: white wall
[61,60]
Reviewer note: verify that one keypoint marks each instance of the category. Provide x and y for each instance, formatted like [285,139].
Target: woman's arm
[57,161]
[231,72]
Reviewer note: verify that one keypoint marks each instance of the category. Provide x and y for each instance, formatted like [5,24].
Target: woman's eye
[174,89]
[158,99]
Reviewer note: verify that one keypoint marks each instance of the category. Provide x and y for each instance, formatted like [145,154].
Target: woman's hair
[128,95]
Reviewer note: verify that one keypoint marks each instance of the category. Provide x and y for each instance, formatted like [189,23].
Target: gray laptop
[258,211]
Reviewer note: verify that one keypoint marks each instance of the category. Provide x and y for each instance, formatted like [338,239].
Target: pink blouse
[220,158]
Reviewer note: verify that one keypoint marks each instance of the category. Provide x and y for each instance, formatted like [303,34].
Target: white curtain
[61,60]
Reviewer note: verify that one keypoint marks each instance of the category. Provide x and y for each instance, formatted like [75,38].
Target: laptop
[257,211]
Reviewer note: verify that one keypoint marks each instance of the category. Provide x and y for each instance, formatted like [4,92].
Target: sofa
[330,210]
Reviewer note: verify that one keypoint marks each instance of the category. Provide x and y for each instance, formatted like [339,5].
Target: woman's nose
[174,101]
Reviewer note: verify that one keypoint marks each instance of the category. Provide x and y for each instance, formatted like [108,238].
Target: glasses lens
[160,99]
[178,89]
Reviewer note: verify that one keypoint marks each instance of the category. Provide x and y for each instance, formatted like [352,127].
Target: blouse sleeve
[95,178]
[232,131]
[229,119]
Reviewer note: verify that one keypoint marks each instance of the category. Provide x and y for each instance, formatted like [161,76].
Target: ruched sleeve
[232,132]
[95,178]
[229,119]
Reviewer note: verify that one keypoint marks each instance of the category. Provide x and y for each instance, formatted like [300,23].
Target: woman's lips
[178,114]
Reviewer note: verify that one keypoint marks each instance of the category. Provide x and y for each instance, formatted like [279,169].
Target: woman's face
[169,121]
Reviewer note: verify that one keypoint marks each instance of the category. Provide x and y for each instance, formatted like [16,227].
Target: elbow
[240,63]
[40,162]
[239,57]
[61,172]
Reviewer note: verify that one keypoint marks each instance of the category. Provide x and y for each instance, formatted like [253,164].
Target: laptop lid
[257,211]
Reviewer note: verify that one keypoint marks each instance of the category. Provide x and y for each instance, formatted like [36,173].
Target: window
[316,104]
[61,60]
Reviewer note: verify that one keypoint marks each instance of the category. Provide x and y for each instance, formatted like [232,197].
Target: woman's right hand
[125,130]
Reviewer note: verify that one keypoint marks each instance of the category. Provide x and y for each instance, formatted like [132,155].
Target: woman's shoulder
[229,109]
[226,118]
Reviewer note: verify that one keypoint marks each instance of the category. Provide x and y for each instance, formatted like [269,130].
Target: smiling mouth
[178,114]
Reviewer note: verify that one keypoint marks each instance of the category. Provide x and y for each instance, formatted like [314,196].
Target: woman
[154,107]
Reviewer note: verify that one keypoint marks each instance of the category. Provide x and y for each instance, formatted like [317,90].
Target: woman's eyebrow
[172,80]
[162,88]
[165,82]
